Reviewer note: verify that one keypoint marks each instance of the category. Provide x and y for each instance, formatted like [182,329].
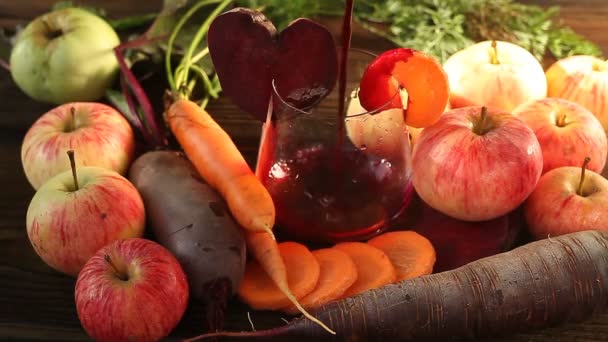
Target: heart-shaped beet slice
[242,45]
[248,54]
[307,65]
[407,79]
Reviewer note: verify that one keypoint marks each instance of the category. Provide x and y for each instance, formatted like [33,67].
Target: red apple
[501,75]
[566,131]
[476,165]
[584,80]
[131,290]
[98,132]
[567,200]
[70,218]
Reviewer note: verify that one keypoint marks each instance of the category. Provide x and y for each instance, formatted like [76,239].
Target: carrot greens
[442,27]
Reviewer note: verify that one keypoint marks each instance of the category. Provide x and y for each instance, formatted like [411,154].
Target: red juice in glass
[334,178]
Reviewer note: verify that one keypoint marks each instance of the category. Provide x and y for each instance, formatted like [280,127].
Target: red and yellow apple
[68,220]
[566,131]
[131,290]
[476,165]
[501,76]
[584,80]
[566,201]
[101,136]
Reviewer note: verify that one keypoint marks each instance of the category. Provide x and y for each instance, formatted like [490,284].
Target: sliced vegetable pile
[344,270]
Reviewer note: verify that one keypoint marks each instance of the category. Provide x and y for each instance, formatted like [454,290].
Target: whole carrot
[541,284]
[220,163]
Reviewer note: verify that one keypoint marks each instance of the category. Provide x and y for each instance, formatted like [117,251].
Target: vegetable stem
[579,191]
[119,274]
[561,120]
[203,75]
[204,52]
[480,126]
[176,29]
[138,91]
[72,119]
[73,166]
[178,79]
[187,58]
[494,54]
[133,117]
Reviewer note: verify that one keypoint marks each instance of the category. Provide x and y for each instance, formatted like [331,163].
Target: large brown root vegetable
[191,220]
[541,284]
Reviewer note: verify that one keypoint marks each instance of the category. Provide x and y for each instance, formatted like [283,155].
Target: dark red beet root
[458,243]
[539,285]
[248,54]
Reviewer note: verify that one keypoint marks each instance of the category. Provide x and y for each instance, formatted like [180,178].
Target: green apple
[65,56]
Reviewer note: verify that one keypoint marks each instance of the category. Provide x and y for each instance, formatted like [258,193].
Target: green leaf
[442,27]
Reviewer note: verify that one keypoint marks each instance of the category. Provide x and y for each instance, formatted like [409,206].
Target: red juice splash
[346,38]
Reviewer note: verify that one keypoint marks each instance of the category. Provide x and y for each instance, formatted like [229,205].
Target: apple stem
[583,168]
[561,120]
[480,129]
[72,119]
[73,165]
[119,274]
[494,55]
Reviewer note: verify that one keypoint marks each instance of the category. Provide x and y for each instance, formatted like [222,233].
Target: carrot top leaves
[174,34]
[179,79]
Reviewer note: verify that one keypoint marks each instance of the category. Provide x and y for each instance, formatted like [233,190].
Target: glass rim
[385,106]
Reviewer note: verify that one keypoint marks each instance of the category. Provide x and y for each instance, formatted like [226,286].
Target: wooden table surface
[36,303]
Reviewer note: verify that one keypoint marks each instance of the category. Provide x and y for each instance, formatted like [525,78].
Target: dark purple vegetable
[541,284]
[192,221]
[457,242]
[248,54]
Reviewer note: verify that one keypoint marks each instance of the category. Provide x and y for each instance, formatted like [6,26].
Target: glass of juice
[335,177]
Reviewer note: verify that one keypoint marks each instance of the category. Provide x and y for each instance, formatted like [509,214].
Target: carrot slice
[338,274]
[280,274]
[262,293]
[219,162]
[374,269]
[411,254]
